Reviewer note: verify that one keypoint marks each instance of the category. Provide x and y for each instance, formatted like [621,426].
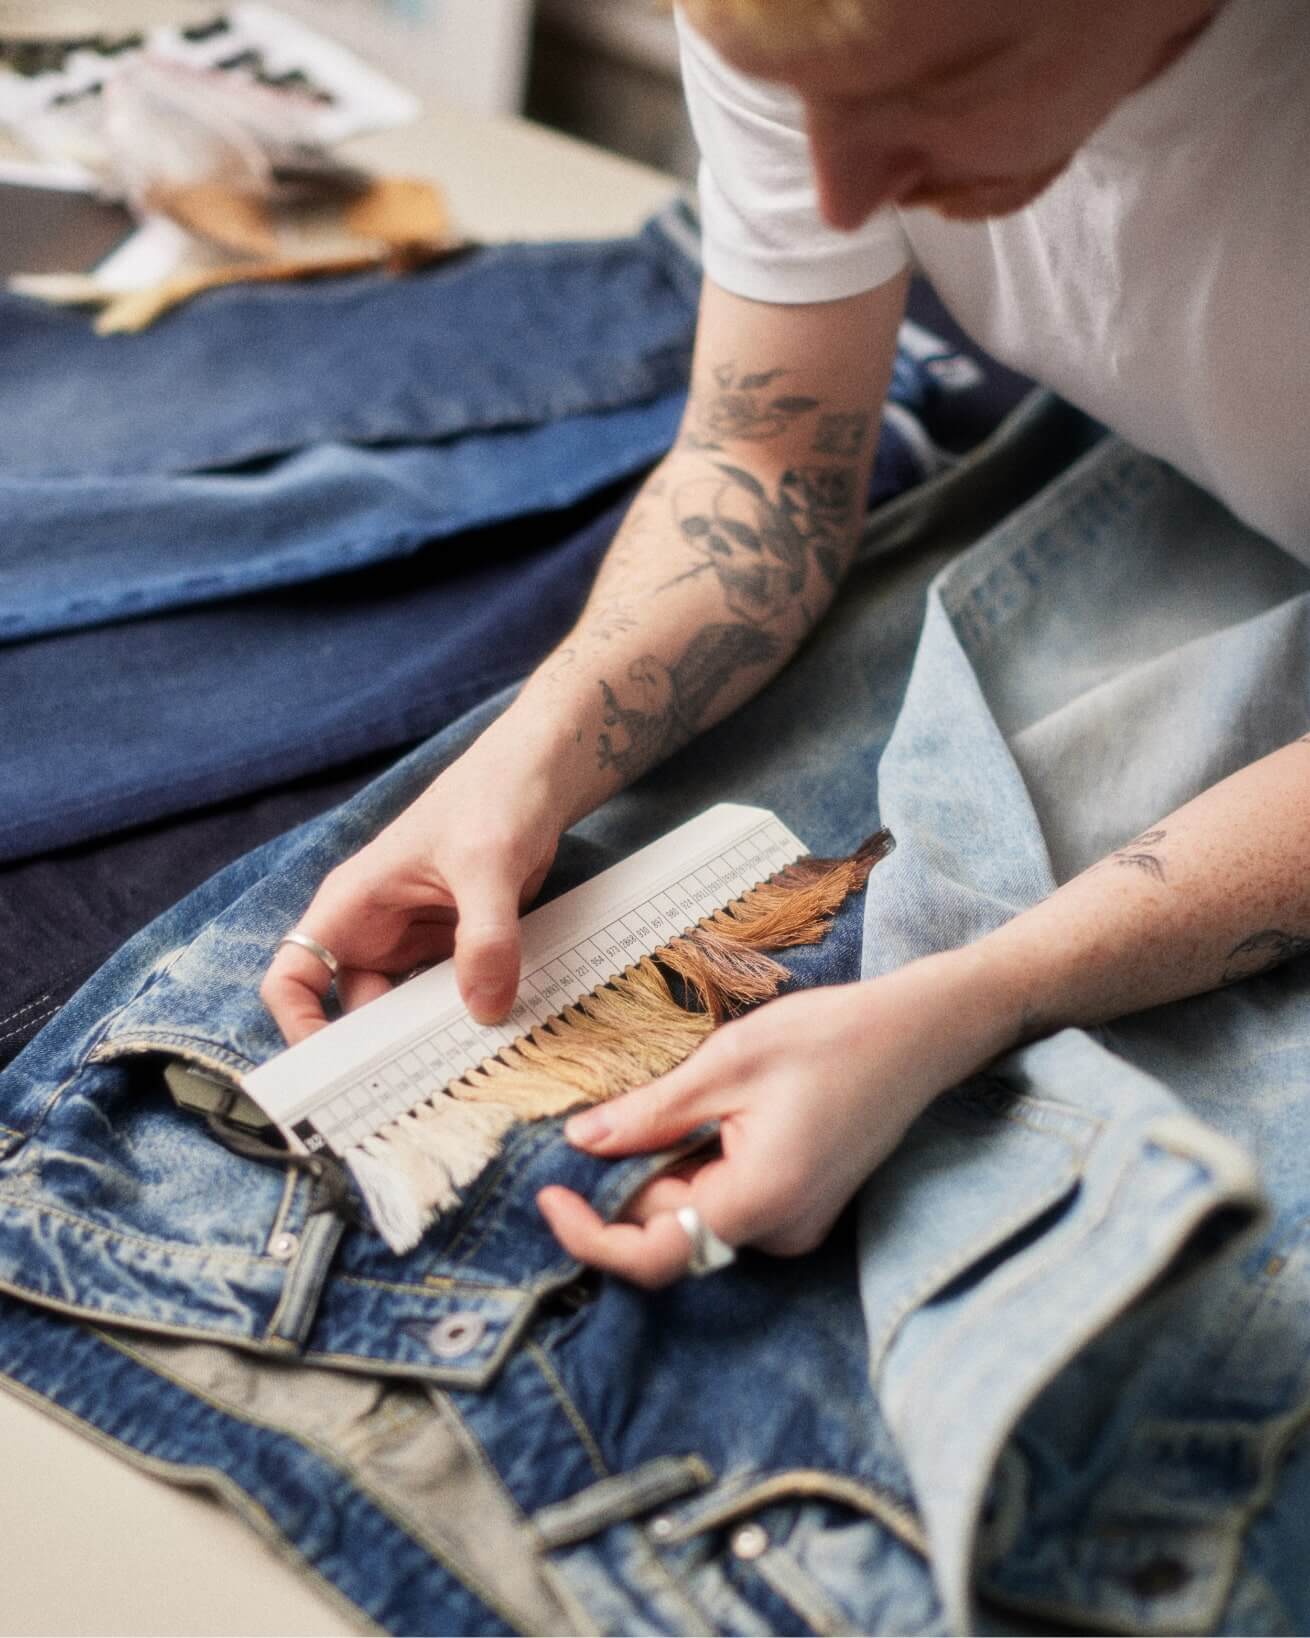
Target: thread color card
[373,1065]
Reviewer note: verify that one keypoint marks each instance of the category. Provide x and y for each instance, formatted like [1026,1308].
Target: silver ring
[319,951]
[708,1252]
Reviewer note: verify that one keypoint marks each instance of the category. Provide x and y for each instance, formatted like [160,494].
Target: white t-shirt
[1162,282]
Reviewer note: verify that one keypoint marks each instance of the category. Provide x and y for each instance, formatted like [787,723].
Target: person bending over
[1109,196]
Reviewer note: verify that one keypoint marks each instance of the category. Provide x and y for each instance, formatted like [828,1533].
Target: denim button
[750,1541]
[662,1527]
[457,1334]
[283,1246]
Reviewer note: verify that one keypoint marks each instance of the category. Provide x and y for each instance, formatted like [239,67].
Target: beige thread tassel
[621,1035]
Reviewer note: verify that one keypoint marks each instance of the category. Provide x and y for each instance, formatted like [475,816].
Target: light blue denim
[634,1435]
[1115,648]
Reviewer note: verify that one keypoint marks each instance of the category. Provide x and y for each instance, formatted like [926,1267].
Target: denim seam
[896,1518]
[290,1182]
[1183,1224]
[782,1572]
[476,1211]
[325,1454]
[93,1231]
[475,1375]
[581,1619]
[618,1499]
[948,1267]
[434,1284]
[184,1474]
[107,1050]
[28,1007]
[563,1399]
[578,1423]
[31,1023]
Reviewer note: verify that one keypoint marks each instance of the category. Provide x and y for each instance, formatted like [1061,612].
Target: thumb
[652,1117]
[487,945]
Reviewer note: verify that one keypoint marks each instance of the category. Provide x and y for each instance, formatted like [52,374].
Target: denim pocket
[799,1551]
[1016,1163]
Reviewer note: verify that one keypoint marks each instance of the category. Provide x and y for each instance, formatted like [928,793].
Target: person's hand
[810,1093]
[451,873]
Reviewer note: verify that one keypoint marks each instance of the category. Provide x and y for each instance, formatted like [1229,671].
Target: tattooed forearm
[663,706]
[760,546]
[840,434]
[748,406]
[1262,951]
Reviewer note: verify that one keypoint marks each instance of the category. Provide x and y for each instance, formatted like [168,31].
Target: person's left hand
[810,1092]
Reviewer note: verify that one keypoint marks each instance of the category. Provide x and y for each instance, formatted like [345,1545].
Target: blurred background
[604,70]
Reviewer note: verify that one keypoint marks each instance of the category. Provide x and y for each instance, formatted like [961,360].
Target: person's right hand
[452,872]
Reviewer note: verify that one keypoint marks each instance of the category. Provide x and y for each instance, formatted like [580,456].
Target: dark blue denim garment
[744,1399]
[118,725]
[80,552]
[515,335]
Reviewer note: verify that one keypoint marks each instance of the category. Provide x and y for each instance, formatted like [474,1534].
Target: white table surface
[93,1545]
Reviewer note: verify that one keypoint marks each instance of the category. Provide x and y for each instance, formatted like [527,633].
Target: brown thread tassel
[621,1035]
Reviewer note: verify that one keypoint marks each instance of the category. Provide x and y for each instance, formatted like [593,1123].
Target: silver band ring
[318,951]
[708,1252]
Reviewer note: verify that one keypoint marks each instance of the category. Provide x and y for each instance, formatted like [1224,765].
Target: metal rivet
[662,1527]
[283,1246]
[457,1334]
[750,1541]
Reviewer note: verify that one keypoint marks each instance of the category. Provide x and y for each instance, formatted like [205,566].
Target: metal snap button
[457,1334]
[750,1541]
[283,1246]
[662,1527]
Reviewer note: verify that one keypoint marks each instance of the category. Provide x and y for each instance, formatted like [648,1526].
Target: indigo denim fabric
[1114,649]
[119,725]
[86,552]
[636,1434]
[511,336]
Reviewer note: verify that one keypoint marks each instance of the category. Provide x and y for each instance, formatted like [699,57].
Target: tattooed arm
[738,541]
[730,553]
[1217,891]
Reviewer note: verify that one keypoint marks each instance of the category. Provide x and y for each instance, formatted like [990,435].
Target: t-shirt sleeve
[763,236]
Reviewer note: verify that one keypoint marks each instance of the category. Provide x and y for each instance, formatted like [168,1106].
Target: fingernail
[487,1005]
[587,1129]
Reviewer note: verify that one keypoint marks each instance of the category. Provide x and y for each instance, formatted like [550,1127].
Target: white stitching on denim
[31,1022]
[10,1016]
